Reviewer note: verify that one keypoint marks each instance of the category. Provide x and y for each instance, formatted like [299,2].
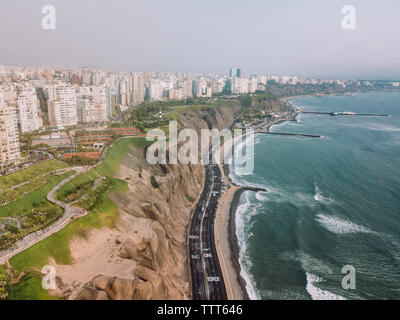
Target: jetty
[248,188]
[346,113]
[255,189]
[290,134]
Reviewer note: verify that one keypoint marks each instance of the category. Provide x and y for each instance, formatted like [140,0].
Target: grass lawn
[25,204]
[76,188]
[32,172]
[104,212]
[28,288]
[176,111]
[83,183]
[110,165]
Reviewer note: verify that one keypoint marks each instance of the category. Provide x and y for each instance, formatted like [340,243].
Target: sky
[273,37]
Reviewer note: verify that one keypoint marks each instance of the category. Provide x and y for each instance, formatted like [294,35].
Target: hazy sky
[294,37]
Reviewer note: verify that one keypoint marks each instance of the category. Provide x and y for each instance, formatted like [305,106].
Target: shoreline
[230,213]
[233,206]
[232,238]
[234,243]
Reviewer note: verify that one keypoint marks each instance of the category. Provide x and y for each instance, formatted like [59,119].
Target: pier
[255,189]
[290,134]
[346,114]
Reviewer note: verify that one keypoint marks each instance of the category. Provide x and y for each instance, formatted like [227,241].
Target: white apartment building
[62,106]
[262,80]
[253,85]
[240,85]
[110,101]
[201,88]
[175,94]
[138,88]
[28,109]
[187,88]
[9,139]
[155,90]
[92,105]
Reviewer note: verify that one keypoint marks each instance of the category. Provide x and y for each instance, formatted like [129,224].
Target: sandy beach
[226,243]
[225,230]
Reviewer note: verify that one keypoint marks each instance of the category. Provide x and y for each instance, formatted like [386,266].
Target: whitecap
[319,196]
[262,196]
[242,222]
[317,293]
[308,263]
[340,226]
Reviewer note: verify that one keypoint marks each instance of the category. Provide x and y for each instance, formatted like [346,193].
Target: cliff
[266,102]
[145,255]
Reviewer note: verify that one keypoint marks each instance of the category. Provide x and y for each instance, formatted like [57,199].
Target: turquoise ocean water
[331,202]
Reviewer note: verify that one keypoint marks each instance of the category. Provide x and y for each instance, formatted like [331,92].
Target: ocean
[331,202]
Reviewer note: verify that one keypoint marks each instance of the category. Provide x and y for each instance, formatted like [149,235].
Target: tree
[3,280]
[245,101]
[3,293]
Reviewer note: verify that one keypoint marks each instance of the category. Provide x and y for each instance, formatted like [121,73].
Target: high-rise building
[262,80]
[110,102]
[62,106]
[92,104]
[235,72]
[75,79]
[86,77]
[28,109]
[9,140]
[85,107]
[155,90]
[138,88]
[253,85]
[240,85]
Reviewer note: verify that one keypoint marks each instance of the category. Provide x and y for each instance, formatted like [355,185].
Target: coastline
[233,247]
[232,238]
[234,243]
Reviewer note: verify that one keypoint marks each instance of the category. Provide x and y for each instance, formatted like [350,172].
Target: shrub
[154,182]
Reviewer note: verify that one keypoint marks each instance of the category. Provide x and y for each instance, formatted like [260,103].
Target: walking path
[70,213]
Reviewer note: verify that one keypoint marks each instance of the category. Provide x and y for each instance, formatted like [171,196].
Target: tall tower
[238,73]
[9,139]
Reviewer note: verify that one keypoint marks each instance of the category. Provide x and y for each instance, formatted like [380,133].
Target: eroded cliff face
[220,118]
[145,256]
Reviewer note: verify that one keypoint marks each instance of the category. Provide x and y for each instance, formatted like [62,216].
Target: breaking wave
[317,293]
[340,226]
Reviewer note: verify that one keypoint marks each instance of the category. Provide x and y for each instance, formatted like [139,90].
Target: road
[207,280]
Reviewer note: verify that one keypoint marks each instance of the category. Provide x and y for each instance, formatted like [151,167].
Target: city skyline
[304,39]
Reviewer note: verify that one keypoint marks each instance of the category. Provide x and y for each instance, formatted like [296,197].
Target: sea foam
[242,222]
[340,226]
[319,196]
[317,293]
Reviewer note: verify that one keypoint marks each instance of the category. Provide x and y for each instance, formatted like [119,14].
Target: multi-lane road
[206,274]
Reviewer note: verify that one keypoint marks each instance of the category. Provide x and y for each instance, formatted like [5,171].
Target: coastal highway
[206,274]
